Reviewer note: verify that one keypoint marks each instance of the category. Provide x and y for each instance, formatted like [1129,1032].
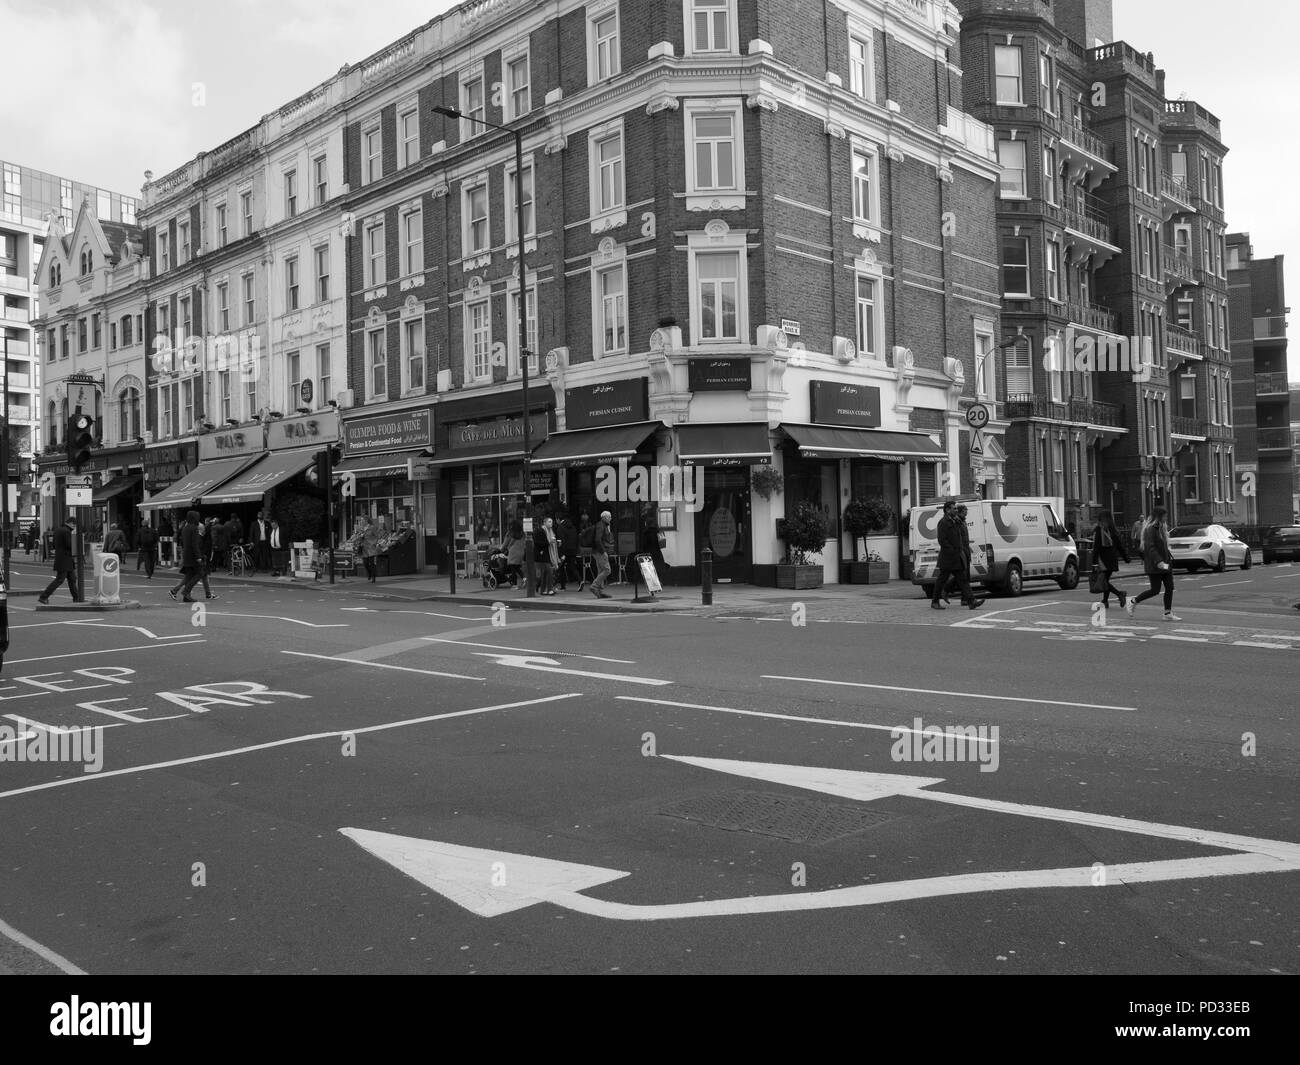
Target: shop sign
[720,375]
[408,430]
[834,403]
[304,430]
[497,435]
[610,403]
[542,481]
[232,443]
[164,466]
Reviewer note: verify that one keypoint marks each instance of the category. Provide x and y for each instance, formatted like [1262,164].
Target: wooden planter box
[869,572]
[799,576]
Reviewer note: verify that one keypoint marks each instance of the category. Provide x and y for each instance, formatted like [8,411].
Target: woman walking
[368,537]
[1107,549]
[1158,563]
[514,548]
[550,556]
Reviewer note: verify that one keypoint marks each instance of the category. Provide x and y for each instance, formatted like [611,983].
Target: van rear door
[923,543]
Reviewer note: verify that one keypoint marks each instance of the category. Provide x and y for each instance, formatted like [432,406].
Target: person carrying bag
[1107,550]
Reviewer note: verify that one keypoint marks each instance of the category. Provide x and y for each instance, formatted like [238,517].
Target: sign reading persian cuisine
[834,403]
[609,403]
[720,375]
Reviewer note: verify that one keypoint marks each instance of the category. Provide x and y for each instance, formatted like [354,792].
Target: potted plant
[862,518]
[804,531]
[765,481]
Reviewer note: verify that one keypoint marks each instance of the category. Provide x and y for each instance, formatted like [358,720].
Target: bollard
[706,577]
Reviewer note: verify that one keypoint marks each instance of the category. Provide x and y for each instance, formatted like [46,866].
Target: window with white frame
[1218,476]
[413,242]
[250,396]
[1019,371]
[608,191]
[1045,93]
[477,232]
[1053,270]
[866,188]
[1051,176]
[187,405]
[1007,64]
[164,318]
[375,273]
[530,328]
[1192,478]
[862,77]
[518,98]
[714,140]
[408,136]
[603,54]
[324,378]
[1218,183]
[182,241]
[1183,312]
[223,391]
[711,26]
[1225,382]
[1015,266]
[868,317]
[986,368]
[164,251]
[512,214]
[184,306]
[1225,341]
[250,298]
[291,283]
[290,193]
[372,154]
[320,177]
[718,284]
[164,409]
[321,255]
[473,106]
[478,340]
[1011,158]
[1056,375]
[611,309]
[223,231]
[1214,397]
[246,211]
[377,362]
[413,354]
[223,306]
[293,376]
[1229,480]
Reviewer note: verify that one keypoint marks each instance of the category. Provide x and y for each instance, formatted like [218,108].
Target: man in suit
[260,534]
[953,563]
[191,558]
[65,565]
[279,548]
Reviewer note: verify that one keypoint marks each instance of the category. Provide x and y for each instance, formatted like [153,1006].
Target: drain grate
[782,816]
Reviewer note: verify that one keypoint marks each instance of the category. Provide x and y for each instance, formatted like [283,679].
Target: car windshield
[1190,530]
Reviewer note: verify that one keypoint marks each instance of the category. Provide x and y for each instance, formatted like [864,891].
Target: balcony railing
[1091,316]
[1179,339]
[1181,426]
[1179,265]
[1089,142]
[1091,222]
[1271,384]
[20,380]
[1273,439]
[1272,328]
[15,314]
[1175,189]
[1032,405]
[1096,413]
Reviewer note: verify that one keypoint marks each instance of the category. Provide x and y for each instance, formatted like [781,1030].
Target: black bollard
[706,577]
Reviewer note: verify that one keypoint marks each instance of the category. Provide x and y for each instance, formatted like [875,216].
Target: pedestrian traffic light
[80,440]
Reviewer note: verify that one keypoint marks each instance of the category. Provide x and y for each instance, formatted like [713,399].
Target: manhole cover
[782,816]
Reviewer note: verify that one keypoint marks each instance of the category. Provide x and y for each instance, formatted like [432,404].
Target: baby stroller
[494,573]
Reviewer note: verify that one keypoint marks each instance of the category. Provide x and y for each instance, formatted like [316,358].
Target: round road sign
[977,416]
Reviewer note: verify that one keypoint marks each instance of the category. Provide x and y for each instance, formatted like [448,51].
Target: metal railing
[1178,264]
[1175,189]
[1091,315]
[1188,426]
[1273,439]
[1179,339]
[1270,328]
[1090,221]
[1094,412]
[1271,384]
[1089,142]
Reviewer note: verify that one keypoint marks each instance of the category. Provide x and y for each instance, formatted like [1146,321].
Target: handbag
[1097,579]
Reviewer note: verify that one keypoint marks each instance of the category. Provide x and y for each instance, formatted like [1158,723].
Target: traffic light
[322,473]
[80,440]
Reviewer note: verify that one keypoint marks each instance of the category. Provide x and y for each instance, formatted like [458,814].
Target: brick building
[1116,369]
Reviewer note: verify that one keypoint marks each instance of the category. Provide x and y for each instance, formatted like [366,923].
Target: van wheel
[1221,564]
[1069,579]
[1015,583]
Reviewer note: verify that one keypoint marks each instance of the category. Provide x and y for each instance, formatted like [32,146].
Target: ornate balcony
[1180,269]
[1177,196]
[1094,412]
[1184,341]
[1091,316]
[1181,426]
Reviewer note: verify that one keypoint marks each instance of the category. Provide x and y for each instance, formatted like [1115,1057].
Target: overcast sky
[107,88]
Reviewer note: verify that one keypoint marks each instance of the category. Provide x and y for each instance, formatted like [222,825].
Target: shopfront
[116,477]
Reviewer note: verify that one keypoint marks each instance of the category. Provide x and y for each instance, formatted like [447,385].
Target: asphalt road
[301,781]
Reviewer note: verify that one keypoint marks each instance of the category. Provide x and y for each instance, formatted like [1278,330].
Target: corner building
[756,234]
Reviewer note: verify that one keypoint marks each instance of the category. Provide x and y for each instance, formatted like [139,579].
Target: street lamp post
[451,112]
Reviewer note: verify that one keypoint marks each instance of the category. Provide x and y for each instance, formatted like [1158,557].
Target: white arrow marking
[549,665]
[276,617]
[523,650]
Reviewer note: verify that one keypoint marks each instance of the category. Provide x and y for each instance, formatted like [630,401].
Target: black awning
[838,442]
[724,444]
[254,482]
[593,447]
[198,482]
[115,487]
[389,464]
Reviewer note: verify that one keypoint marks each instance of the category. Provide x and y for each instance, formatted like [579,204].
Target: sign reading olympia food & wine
[408,430]
[834,403]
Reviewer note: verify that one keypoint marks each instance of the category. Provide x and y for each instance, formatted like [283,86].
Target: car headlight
[1205,546]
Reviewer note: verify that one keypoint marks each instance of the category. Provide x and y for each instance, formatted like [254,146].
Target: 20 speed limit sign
[977,416]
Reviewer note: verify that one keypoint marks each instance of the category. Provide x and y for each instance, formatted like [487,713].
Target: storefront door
[723,524]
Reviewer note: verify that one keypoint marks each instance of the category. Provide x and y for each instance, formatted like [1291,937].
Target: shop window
[877,480]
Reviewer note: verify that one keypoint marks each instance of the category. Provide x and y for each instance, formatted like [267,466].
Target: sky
[117,87]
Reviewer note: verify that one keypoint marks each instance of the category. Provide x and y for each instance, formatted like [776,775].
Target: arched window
[54,424]
[128,415]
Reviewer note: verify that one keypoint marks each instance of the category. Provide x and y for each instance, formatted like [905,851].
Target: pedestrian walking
[568,534]
[190,558]
[166,540]
[1135,534]
[367,537]
[1158,563]
[147,555]
[602,543]
[220,543]
[954,560]
[548,553]
[515,547]
[115,544]
[206,555]
[1107,550]
[65,564]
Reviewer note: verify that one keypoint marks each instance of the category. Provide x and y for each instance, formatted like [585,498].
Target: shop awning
[202,479]
[836,442]
[593,447]
[259,479]
[730,444]
[115,487]
[387,465]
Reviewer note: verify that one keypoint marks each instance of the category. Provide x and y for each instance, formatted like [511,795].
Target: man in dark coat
[191,558]
[220,543]
[567,533]
[65,564]
[260,535]
[148,554]
[953,562]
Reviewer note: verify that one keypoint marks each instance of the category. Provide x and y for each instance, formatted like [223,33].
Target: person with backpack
[602,543]
[1158,562]
[1107,549]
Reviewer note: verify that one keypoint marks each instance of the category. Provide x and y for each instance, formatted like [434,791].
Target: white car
[1207,546]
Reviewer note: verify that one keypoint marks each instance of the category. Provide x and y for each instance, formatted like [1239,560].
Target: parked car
[1282,542]
[1012,541]
[1207,547]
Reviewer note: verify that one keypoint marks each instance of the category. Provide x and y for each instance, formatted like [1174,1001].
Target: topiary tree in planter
[804,531]
[862,517]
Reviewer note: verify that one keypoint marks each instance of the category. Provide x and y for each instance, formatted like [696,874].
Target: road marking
[1018,609]
[1066,624]
[549,665]
[784,717]
[135,628]
[57,730]
[276,617]
[57,960]
[729,617]
[1276,636]
[1268,646]
[1228,584]
[108,651]
[1202,632]
[933,691]
[1181,639]
[43,624]
[88,777]
[381,665]
[1284,576]
[528,650]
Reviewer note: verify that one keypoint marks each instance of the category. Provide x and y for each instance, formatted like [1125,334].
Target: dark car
[1282,542]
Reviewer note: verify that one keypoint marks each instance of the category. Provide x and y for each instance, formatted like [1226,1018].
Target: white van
[1012,541]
